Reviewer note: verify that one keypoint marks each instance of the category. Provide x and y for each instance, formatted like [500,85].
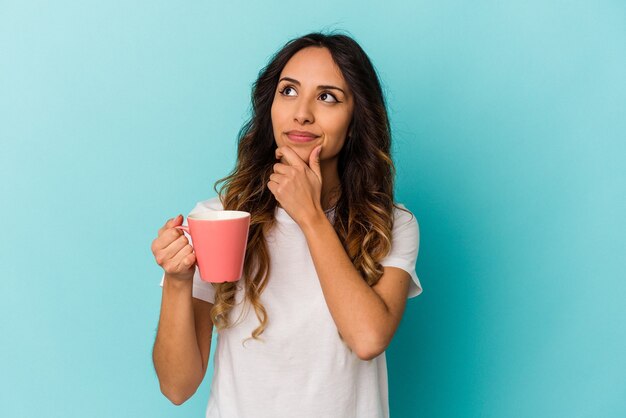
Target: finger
[183,259]
[171,223]
[165,226]
[189,260]
[176,245]
[166,238]
[281,168]
[290,156]
[272,186]
[277,178]
[171,250]
[314,162]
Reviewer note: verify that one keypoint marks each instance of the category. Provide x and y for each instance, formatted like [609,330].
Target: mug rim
[219,215]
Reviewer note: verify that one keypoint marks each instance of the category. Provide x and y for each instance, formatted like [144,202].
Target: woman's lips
[301,138]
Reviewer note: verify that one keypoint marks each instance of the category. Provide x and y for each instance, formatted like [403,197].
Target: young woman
[330,260]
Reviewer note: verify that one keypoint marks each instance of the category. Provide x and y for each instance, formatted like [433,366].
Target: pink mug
[219,239]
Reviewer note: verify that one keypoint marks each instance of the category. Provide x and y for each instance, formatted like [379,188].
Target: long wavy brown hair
[364,215]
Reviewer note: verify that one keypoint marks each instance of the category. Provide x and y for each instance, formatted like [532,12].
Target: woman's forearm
[358,311]
[176,355]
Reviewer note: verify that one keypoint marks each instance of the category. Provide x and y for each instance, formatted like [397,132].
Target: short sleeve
[405,239]
[201,289]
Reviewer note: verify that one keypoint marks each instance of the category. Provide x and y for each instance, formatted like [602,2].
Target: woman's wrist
[177,283]
[313,221]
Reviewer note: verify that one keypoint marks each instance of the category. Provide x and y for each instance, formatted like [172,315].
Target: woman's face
[312,105]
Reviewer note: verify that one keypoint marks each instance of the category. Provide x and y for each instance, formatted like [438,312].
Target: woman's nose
[304,113]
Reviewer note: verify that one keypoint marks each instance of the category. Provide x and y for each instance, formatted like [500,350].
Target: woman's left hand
[296,185]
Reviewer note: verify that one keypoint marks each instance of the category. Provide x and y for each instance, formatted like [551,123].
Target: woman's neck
[331,185]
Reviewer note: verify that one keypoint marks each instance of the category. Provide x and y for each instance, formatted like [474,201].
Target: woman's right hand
[173,252]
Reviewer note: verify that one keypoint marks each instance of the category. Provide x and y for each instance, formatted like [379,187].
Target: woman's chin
[303,150]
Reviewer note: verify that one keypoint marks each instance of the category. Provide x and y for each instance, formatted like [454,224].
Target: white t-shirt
[301,368]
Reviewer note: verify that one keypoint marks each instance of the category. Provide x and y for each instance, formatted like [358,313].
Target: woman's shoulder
[213,203]
[402,215]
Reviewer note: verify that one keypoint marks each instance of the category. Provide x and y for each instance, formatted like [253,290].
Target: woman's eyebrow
[322,87]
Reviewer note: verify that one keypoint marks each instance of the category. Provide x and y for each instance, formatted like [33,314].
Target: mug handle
[184,228]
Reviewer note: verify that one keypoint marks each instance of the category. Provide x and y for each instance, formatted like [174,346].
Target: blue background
[509,121]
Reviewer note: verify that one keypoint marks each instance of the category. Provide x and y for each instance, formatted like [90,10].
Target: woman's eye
[325,96]
[286,91]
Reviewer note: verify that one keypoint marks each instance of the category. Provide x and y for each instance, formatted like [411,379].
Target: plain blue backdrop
[509,124]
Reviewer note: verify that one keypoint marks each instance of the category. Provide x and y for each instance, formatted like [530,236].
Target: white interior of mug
[218,215]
